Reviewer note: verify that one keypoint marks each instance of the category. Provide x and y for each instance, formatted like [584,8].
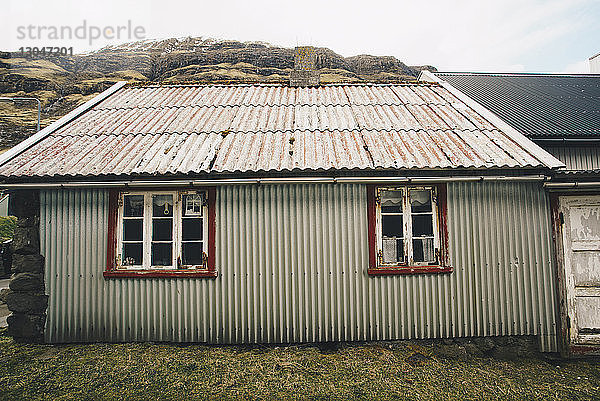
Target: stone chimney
[304,72]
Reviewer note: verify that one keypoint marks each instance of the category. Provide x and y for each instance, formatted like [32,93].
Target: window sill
[160,274]
[391,271]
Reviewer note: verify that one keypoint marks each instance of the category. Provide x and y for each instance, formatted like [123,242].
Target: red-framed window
[407,229]
[161,233]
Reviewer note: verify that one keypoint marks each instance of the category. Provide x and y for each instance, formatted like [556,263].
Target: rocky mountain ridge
[63,82]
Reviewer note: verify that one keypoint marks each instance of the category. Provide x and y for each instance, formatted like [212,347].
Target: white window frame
[147,231]
[407,227]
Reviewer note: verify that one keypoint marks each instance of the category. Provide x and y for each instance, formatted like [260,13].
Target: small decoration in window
[193,205]
[129,261]
[162,205]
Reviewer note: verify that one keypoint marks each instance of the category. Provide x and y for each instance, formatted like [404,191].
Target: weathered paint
[292,263]
[581,245]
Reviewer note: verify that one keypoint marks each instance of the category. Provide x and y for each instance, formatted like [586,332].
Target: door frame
[566,348]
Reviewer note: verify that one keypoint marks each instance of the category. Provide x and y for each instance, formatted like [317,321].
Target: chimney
[304,72]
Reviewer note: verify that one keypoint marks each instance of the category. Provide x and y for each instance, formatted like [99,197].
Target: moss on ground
[351,371]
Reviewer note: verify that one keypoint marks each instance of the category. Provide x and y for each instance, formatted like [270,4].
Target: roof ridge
[146,84]
[201,106]
[299,130]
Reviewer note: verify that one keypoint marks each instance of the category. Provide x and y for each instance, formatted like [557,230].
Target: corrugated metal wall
[292,262]
[577,157]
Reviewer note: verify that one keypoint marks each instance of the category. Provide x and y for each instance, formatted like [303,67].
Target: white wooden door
[581,240]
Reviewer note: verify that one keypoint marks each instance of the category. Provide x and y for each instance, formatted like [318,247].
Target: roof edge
[527,144]
[73,114]
[133,183]
[520,74]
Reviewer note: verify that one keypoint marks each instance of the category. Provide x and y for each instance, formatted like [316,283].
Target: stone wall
[27,299]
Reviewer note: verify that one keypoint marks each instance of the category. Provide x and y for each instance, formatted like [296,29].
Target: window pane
[192,229]
[133,230]
[422,225]
[423,250]
[420,200]
[133,205]
[192,205]
[162,229]
[162,254]
[393,250]
[392,226]
[391,201]
[192,253]
[162,205]
[132,254]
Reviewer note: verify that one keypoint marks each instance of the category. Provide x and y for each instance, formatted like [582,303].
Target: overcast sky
[468,35]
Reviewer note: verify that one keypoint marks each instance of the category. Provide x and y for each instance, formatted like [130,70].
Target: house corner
[27,299]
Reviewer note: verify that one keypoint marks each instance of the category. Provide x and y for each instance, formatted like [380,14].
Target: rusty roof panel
[299,150]
[200,130]
[272,118]
[113,154]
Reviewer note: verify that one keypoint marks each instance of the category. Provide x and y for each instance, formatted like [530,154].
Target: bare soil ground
[382,371]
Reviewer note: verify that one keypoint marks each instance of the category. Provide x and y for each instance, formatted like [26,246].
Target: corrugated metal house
[271,213]
[560,113]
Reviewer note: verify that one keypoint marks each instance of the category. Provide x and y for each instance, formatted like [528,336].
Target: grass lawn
[395,370]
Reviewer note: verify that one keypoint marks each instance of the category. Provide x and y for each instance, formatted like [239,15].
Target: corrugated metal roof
[538,105]
[199,130]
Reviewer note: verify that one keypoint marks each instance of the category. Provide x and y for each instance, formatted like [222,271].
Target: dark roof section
[538,105]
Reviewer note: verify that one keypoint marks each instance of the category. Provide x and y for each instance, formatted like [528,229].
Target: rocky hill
[62,83]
